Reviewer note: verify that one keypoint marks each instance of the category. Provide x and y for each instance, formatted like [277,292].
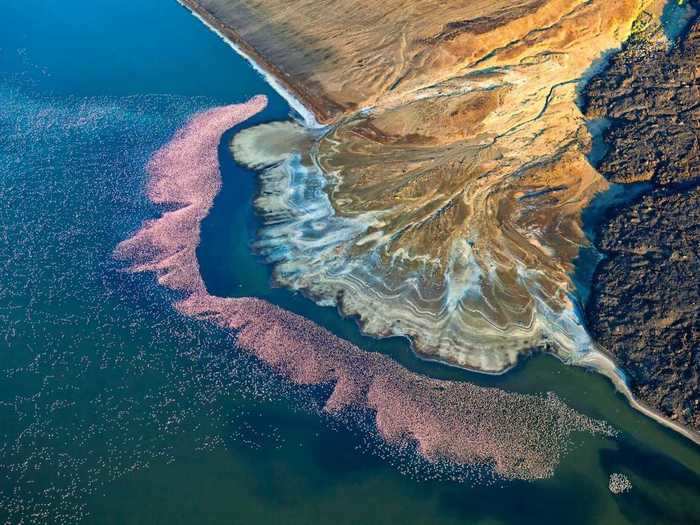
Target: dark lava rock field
[644,308]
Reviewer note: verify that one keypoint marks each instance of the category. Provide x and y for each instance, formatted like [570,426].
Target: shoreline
[313,115]
[601,363]
[596,360]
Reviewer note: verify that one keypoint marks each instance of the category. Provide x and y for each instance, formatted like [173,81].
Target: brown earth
[645,301]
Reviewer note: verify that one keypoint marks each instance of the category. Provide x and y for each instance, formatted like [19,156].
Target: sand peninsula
[436,187]
[442,200]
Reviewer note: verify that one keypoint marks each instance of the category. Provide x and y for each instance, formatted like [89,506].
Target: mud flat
[645,302]
[293,97]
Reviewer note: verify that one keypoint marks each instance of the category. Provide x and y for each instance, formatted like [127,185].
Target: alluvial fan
[442,201]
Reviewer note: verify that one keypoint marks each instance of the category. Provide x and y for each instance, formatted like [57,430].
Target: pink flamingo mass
[519,436]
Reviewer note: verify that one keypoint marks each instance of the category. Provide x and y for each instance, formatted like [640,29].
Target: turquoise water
[114,409]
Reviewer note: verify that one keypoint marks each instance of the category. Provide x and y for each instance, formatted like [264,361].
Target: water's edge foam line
[602,363]
[307,115]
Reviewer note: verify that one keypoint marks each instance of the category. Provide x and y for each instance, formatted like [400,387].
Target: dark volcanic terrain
[645,302]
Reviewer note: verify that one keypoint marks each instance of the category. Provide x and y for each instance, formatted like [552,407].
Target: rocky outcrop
[652,95]
[645,301]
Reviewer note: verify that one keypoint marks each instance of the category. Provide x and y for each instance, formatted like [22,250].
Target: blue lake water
[114,409]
